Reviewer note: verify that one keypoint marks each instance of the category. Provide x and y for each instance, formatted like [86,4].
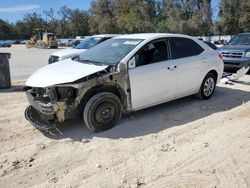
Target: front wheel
[102,111]
[207,87]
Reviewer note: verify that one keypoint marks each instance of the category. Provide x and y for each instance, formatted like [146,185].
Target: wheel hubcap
[209,87]
[105,113]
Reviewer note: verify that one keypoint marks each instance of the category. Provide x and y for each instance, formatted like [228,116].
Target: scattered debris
[85,140]
[166,148]
[241,72]
[227,79]
[31,159]
[98,166]
[41,146]
[54,180]
[206,144]
[66,172]
[15,163]
[123,181]
[139,182]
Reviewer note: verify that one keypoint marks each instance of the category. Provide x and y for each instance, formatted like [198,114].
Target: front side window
[109,52]
[184,47]
[152,53]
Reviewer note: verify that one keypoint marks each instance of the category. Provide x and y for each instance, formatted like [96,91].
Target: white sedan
[123,74]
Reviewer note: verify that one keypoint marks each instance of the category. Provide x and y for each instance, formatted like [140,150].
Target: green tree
[51,19]
[102,18]
[6,30]
[25,28]
[193,17]
[234,16]
[135,15]
[62,28]
[78,23]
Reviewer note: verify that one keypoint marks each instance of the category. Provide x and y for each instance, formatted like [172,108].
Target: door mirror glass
[131,63]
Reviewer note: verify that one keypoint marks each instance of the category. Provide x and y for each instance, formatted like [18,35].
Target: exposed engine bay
[55,104]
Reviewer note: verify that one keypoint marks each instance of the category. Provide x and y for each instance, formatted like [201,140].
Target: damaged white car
[123,74]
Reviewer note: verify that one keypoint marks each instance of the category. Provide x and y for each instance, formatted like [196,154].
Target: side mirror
[131,63]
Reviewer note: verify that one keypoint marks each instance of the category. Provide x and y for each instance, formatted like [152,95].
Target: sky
[13,10]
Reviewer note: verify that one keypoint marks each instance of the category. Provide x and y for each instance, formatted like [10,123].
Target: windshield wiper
[89,61]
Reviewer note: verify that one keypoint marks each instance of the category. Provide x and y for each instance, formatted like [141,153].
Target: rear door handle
[172,67]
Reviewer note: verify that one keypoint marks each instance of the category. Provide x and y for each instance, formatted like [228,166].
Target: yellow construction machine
[42,39]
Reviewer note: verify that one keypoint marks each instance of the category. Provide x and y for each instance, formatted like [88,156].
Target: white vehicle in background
[123,74]
[80,48]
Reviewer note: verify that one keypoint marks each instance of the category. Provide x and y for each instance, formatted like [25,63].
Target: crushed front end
[50,105]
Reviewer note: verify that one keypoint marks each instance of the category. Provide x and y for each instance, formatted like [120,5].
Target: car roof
[106,35]
[151,35]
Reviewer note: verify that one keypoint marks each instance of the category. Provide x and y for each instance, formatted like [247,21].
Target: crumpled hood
[70,52]
[230,48]
[62,72]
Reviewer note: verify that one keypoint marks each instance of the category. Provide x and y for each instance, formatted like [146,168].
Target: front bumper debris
[33,116]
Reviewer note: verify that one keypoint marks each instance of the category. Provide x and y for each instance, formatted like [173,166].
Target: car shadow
[158,118]
[242,82]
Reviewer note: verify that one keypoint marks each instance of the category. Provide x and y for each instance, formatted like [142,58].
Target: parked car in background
[80,48]
[211,45]
[23,41]
[5,43]
[236,53]
[122,74]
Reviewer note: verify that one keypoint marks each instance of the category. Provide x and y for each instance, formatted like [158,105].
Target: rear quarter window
[184,47]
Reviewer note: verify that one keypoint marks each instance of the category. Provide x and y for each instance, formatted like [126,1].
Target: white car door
[153,80]
[191,65]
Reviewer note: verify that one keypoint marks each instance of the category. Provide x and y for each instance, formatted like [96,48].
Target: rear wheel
[207,87]
[102,111]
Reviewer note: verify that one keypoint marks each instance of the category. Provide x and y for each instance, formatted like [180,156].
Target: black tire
[207,87]
[102,111]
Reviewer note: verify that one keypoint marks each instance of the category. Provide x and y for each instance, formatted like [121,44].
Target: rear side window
[184,47]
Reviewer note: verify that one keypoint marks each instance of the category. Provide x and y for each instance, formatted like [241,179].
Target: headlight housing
[247,54]
[62,58]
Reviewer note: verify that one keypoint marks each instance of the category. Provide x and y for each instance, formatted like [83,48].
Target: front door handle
[172,67]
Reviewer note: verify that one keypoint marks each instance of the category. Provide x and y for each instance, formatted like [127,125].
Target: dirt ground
[24,62]
[185,143]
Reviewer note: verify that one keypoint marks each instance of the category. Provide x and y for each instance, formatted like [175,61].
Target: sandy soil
[184,143]
[24,62]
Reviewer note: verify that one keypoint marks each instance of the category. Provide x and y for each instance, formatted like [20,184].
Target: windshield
[240,40]
[89,42]
[110,52]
